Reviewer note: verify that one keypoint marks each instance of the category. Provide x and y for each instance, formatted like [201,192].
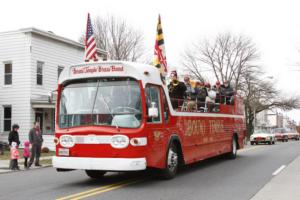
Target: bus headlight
[119,141]
[66,141]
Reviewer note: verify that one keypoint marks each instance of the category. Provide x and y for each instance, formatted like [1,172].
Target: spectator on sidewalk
[36,141]
[26,153]
[14,155]
[13,136]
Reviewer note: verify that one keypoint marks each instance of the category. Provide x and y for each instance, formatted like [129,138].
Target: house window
[39,73]
[59,70]
[7,74]
[7,118]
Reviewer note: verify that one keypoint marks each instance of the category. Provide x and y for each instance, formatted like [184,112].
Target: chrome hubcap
[172,160]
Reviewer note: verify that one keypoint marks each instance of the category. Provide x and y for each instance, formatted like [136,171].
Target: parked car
[262,136]
[293,135]
[281,134]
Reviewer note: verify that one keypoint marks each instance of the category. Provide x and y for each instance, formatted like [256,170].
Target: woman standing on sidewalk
[13,137]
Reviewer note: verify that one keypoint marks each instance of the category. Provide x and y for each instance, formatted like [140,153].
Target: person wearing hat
[14,156]
[176,90]
[217,88]
[13,137]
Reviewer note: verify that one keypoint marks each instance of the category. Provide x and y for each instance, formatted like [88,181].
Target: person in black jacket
[177,90]
[13,137]
[228,92]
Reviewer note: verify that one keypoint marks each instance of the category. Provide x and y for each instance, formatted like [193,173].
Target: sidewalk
[5,163]
[285,185]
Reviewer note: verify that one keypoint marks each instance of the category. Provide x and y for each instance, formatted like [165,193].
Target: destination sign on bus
[96,69]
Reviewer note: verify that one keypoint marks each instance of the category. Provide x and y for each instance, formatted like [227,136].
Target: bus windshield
[105,101]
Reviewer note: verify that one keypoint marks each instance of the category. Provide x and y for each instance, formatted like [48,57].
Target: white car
[262,136]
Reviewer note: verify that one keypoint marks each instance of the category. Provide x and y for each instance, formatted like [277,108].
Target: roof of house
[51,35]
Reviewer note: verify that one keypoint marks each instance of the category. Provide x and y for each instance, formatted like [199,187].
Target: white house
[269,119]
[30,62]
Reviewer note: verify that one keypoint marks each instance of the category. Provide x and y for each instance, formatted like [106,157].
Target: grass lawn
[6,155]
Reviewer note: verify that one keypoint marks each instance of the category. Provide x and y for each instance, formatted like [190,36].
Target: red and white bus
[117,116]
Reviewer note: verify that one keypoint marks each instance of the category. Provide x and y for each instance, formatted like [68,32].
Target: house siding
[15,48]
[24,49]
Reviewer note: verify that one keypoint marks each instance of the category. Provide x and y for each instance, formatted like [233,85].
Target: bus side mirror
[51,96]
[153,111]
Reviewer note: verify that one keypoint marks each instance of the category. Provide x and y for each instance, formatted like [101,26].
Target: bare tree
[234,58]
[259,94]
[228,56]
[114,35]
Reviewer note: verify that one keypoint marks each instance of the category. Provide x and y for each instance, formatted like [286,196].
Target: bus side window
[166,107]
[152,96]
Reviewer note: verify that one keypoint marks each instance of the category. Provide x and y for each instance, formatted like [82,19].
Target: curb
[22,170]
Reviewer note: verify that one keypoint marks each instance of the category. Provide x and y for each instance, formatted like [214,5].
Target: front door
[156,127]
[39,118]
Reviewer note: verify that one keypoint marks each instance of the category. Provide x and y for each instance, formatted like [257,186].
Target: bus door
[157,132]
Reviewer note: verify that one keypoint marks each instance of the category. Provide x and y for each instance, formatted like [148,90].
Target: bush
[45,150]
[4,146]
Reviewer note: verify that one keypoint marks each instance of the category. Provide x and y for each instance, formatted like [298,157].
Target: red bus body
[197,135]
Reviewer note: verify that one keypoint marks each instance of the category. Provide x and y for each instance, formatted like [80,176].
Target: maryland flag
[160,60]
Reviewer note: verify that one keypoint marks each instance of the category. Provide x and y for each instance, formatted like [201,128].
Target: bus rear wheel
[232,154]
[96,174]
[171,163]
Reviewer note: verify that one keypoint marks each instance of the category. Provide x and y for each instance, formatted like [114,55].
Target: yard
[6,155]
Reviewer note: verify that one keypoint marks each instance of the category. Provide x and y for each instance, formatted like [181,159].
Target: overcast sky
[273,25]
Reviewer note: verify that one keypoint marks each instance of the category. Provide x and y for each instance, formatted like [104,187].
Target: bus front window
[106,101]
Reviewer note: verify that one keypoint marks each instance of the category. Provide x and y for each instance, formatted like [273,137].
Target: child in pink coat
[14,155]
[26,153]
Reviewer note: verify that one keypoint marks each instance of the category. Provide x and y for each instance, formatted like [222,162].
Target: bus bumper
[106,164]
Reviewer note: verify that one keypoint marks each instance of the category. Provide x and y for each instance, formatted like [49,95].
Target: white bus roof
[145,73]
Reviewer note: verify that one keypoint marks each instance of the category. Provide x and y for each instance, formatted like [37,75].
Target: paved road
[211,179]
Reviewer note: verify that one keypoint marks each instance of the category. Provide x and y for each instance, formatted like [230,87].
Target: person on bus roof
[227,92]
[190,94]
[190,91]
[201,93]
[176,90]
[217,88]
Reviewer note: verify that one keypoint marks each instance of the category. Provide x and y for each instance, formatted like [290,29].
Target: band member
[176,90]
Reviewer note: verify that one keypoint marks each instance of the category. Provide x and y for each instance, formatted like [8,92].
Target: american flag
[90,43]
[160,60]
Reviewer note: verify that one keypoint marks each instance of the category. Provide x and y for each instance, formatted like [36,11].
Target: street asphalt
[213,179]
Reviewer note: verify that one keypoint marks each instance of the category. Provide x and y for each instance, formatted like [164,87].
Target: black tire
[172,163]
[234,145]
[273,142]
[96,174]
[252,143]
[269,143]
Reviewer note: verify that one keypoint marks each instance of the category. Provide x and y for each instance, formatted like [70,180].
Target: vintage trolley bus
[117,116]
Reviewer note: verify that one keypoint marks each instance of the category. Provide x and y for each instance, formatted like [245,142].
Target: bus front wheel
[96,174]
[171,163]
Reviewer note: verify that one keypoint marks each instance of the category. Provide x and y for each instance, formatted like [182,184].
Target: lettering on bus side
[216,126]
[197,127]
